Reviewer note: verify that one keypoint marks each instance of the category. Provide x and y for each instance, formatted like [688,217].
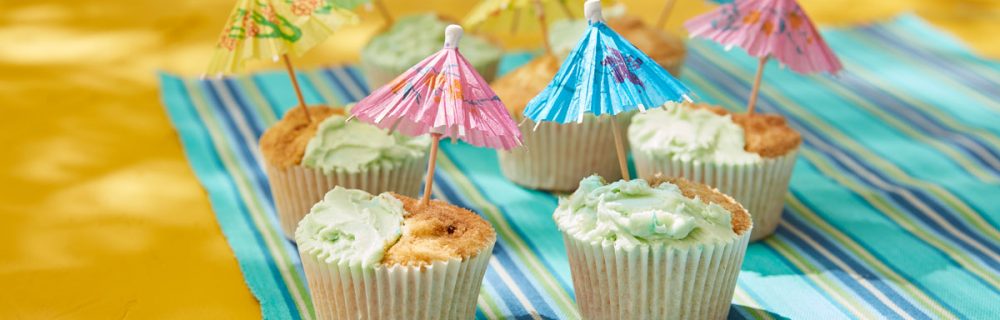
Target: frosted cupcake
[749,157]
[664,249]
[387,257]
[555,156]
[305,159]
[665,48]
[408,42]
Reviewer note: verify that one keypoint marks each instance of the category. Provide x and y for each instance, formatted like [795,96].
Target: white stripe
[240,119]
[232,168]
[853,273]
[499,269]
[349,83]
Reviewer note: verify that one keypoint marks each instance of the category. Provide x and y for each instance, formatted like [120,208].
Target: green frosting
[354,146]
[686,134]
[351,226]
[415,37]
[632,213]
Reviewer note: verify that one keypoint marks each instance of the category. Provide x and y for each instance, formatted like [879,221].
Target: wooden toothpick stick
[295,84]
[752,103]
[540,13]
[620,149]
[384,11]
[667,8]
[429,179]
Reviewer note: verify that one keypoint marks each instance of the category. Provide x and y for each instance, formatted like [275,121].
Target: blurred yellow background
[101,215]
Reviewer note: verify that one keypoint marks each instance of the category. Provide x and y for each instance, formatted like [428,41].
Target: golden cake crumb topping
[518,87]
[437,232]
[740,217]
[766,134]
[284,143]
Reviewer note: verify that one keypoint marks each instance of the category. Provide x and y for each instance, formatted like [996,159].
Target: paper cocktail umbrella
[273,29]
[353,4]
[768,29]
[497,14]
[604,75]
[442,95]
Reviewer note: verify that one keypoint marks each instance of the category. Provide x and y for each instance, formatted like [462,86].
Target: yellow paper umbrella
[273,29]
[502,15]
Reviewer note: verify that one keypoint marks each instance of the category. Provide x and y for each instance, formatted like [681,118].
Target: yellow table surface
[101,215]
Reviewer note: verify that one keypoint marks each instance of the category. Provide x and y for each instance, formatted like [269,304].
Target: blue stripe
[346,94]
[358,78]
[845,275]
[837,250]
[961,75]
[737,89]
[258,82]
[240,145]
[255,121]
[197,130]
[499,252]
[514,226]
[915,116]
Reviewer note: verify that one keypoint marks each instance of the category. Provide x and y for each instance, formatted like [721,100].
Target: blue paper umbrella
[605,74]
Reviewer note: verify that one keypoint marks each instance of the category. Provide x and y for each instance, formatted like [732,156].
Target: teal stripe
[898,156]
[889,215]
[225,199]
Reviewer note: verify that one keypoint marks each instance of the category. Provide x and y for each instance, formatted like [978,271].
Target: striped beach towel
[893,210]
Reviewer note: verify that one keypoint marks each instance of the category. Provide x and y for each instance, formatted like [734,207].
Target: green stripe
[518,246]
[259,104]
[887,168]
[747,303]
[924,69]
[822,279]
[944,118]
[870,195]
[857,251]
[979,171]
[273,240]
[900,218]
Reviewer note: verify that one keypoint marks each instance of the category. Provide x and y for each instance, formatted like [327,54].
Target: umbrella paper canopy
[268,29]
[512,15]
[768,28]
[605,74]
[443,94]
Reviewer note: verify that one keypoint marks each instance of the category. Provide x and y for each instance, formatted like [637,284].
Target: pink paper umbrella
[442,95]
[768,28]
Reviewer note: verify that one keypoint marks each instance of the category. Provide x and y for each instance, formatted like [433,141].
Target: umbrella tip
[592,11]
[452,34]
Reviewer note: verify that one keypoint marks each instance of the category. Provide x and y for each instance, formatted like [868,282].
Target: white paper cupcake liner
[378,76]
[442,290]
[655,281]
[556,156]
[297,188]
[759,187]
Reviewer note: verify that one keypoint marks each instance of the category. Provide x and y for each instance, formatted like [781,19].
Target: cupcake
[664,249]
[665,48]
[388,257]
[555,156]
[304,160]
[409,41]
[747,156]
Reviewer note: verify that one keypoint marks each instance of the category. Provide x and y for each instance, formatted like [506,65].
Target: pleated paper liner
[556,156]
[655,281]
[442,290]
[759,187]
[297,188]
